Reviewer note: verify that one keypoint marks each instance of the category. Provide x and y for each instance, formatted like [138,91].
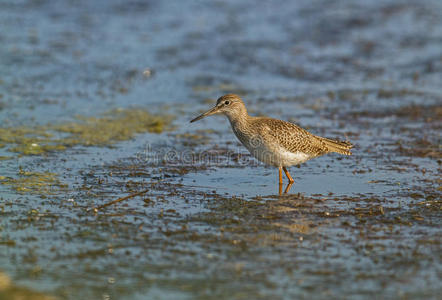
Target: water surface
[211,223]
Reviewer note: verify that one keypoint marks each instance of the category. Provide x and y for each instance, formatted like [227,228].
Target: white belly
[278,157]
[287,158]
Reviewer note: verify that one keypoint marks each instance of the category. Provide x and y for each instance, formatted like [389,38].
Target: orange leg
[280,175]
[286,174]
[280,181]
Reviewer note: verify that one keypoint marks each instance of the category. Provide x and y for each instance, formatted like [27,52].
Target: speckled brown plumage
[289,136]
[294,138]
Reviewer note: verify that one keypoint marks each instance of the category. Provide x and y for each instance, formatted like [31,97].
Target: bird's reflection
[287,188]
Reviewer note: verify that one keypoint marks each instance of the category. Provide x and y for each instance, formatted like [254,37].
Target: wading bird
[274,142]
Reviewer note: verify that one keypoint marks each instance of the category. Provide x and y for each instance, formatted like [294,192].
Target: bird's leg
[287,174]
[280,175]
[280,181]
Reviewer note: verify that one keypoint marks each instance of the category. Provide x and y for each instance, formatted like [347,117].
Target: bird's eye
[227,102]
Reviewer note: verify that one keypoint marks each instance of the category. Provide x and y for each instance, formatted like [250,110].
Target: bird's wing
[291,137]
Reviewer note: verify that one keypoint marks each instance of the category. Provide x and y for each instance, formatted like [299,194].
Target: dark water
[212,224]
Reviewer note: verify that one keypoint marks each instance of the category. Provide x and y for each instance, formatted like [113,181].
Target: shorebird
[274,142]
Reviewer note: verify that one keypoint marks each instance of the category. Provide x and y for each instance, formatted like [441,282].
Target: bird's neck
[239,120]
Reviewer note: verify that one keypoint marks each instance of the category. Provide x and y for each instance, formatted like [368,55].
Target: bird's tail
[342,147]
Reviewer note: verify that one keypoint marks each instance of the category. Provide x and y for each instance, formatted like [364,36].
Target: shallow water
[211,223]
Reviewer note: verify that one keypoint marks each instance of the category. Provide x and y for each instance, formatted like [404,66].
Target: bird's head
[231,105]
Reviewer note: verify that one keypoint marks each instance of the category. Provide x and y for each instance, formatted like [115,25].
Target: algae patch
[42,184]
[26,140]
[112,127]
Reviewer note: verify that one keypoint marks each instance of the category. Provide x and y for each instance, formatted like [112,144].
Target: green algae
[36,149]
[40,183]
[25,140]
[112,127]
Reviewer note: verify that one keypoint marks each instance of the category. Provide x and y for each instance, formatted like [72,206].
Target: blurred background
[90,91]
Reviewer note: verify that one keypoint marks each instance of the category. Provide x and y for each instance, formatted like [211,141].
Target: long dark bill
[211,111]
